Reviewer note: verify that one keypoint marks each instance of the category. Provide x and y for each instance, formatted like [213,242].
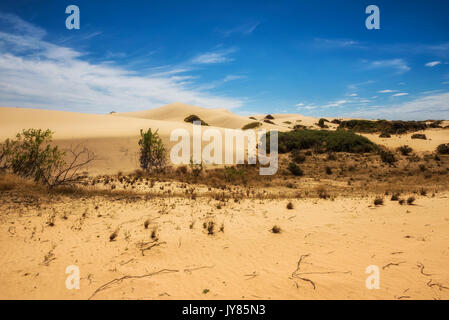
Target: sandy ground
[337,239]
[341,238]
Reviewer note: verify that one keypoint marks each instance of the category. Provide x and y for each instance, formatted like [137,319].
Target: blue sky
[310,57]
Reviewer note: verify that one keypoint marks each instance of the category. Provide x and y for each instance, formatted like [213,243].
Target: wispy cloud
[432,63]
[337,103]
[244,29]
[37,73]
[399,64]
[400,94]
[387,91]
[428,107]
[214,57]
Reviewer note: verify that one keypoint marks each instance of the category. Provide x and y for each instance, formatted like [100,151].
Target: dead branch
[154,244]
[436,284]
[197,268]
[421,269]
[118,280]
[392,264]
[295,274]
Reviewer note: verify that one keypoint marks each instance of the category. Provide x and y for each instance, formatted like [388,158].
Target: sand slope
[337,239]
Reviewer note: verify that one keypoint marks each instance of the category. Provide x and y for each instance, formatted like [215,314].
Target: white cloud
[245,29]
[400,94]
[335,104]
[387,91]
[36,73]
[214,57]
[232,77]
[432,63]
[428,107]
[353,95]
[399,64]
[300,104]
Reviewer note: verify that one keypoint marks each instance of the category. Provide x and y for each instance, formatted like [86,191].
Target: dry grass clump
[289,206]
[410,200]
[209,226]
[276,229]
[378,201]
[114,235]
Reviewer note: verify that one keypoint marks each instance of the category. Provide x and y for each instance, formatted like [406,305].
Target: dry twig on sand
[421,269]
[392,264]
[118,280]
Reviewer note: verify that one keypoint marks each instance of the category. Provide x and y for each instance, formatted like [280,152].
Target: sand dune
[114,137]
[179,111]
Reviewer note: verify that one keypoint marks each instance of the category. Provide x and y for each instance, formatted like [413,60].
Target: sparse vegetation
[378,201]
[387,157]
[251,125]
[443,149]
[193,118]
[323,140]
[383,126]
[405,150]
[276,229]
[419,136]
[289,206]
[410,200]
[295,169]
[152,151]
[31,155]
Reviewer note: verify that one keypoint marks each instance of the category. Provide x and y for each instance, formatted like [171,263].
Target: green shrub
[405,150]
[419,136]
[443,148]
[152,151]
[297,156]
[251,125]
[31,155]
[387,157]
[384,126]
[295,169]
[323,141]
[321,123]
[193,117]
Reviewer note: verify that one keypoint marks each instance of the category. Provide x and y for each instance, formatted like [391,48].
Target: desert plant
[268,121]
[31,155]
[269,116]
[276,229]
[210,227]
[443,148]
[297,156]
[251,125]
[193,118]
[387,157]
[419,136]
[405,150]
[384,135]
[410,200]
[328,170]
[324,140]
[152,151]
[378,201]
[321,123]
[395,197]
[196,168]
[295,169]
